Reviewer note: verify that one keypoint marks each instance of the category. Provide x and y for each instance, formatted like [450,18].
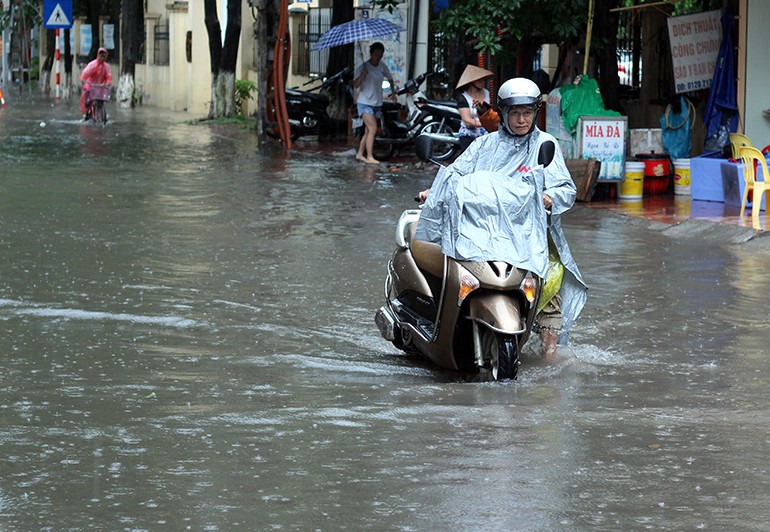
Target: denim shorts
[364,109]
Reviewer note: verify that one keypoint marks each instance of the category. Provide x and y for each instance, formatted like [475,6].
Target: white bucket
[682,177]
[632,186]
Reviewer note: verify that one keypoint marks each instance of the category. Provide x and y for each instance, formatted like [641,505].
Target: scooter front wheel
[501,356]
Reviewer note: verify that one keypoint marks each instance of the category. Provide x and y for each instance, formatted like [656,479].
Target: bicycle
[98,96]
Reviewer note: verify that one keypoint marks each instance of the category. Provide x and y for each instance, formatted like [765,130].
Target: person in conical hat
[472,96]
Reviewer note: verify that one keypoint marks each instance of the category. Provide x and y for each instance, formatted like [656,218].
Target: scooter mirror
[545,155]
[423,146]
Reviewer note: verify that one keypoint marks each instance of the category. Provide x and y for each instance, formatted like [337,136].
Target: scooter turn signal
[529,287]
[468,283]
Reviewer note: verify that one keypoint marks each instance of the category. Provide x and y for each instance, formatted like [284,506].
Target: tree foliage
[32,14]
[499,27]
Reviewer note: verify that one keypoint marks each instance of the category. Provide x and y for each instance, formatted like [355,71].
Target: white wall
[757,124]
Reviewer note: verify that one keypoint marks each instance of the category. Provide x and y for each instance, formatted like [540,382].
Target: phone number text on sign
[693,85]
[695,41]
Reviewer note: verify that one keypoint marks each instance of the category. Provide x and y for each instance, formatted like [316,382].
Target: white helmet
[515,92]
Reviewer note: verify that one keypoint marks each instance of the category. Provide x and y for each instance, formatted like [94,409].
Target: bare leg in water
[366,146]
[549,338]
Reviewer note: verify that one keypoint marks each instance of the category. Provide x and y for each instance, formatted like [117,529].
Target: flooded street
[188,342]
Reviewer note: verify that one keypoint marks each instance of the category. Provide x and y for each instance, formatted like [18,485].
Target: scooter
[401,125]
[474,317]
[308,109]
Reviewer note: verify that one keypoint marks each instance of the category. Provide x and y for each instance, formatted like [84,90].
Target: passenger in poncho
[478,209]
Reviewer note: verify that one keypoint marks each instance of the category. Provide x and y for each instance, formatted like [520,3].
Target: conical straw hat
[471,74]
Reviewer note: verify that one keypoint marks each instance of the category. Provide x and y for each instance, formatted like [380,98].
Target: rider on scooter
[513,151]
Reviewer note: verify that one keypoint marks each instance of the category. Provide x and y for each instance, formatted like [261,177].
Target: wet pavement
[188,343]
[674,209]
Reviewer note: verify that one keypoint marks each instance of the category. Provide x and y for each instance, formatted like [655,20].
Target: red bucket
[657,173]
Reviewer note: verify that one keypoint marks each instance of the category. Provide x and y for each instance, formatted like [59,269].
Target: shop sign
[604,139]
[695,41]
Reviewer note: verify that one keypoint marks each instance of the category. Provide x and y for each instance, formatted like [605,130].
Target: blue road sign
[57,13]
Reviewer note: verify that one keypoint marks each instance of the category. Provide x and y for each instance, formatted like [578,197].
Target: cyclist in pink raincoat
[97,71]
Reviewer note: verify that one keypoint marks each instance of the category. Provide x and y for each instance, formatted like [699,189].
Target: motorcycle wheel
[441,150]
[501,356]
[382,150]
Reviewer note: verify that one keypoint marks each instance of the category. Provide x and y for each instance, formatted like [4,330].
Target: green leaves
[498,26]
[484,21]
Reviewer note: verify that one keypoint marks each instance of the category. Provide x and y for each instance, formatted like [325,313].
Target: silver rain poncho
[488,205]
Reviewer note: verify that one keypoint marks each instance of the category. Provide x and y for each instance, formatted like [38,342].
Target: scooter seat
[428,257]
[440,103]
[321,99]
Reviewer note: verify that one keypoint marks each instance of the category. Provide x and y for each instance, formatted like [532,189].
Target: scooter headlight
[468,283]
[529,287]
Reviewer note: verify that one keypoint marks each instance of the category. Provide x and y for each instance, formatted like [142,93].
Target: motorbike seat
[320,98]
[428,257]
[441,103]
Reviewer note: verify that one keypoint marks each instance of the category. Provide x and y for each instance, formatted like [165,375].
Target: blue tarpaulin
[721,114]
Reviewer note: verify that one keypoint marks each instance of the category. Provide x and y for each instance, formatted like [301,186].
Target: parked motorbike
[400,125]
[469,316]
[308,109]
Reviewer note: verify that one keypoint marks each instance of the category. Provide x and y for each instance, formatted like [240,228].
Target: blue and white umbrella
[356,30]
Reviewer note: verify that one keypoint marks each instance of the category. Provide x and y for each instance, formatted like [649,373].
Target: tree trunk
[607,62]
[68,57]
[223,58]
[214,31]
[50,57]
[262,54]
[132,34]
[93,13]
[341,57]
[342,11]
[230,56]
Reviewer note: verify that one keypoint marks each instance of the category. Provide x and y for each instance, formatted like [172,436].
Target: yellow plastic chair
[736,141]
[754,160]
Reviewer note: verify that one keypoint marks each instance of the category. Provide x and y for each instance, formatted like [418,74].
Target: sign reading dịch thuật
[695,41]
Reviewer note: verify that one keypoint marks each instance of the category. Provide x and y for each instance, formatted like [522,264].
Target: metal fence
[307,62]
[628,49]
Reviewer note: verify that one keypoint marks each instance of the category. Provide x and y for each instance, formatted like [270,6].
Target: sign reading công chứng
[695,41]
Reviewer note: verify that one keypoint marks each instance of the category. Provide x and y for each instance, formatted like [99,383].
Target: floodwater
[188,343]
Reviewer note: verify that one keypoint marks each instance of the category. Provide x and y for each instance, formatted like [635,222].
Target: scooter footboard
[499,312]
